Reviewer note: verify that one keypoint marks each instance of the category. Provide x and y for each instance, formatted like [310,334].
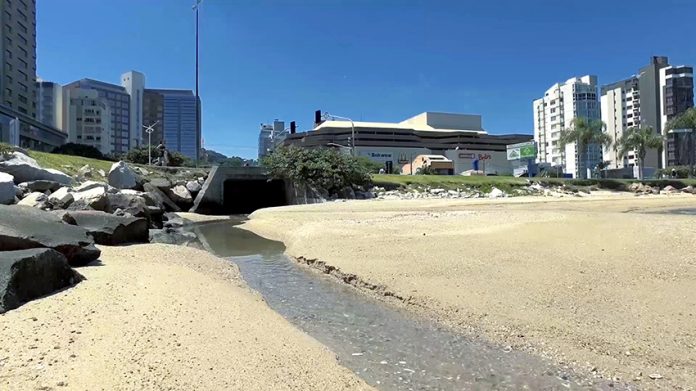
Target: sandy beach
[602,284]
[160,317]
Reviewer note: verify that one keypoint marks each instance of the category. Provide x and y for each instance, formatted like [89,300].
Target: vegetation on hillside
[140,156]
[212,158]
[67,163]
[323,168]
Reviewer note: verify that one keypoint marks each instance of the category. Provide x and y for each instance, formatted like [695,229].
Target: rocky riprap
[50,222]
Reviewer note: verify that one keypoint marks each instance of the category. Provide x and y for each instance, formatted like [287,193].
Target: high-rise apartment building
[49,103]
[555,111]
[657,94]
[88,118]
[18,55]
[119,108]
[178,126]
[268,137]
[134,83]
[677,88]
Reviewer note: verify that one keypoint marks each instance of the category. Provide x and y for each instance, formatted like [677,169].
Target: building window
[22,98]
[24,63]
[8,92]
[22,39]
[22,110]
[22,14]
[24,75]
[24,51]
[8,53]
[22,27]
[8,15]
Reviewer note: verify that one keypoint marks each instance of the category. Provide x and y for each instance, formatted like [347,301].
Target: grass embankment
[508,183]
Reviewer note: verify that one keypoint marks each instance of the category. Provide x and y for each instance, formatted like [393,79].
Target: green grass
[448,182]
[67,163]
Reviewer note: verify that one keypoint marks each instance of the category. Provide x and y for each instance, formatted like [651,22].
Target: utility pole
[198,108]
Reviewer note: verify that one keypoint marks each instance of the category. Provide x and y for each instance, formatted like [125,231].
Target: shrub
[5,149]
[140,156]
[74,149]
[369,165]
[324,168]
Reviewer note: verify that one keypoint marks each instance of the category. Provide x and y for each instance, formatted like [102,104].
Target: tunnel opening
[243,196]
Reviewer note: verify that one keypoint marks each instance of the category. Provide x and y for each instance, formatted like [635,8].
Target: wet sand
[600,284]
[160,317]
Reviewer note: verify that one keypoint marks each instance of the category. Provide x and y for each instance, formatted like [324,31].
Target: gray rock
[171,236]
[95,197]
[61,198]
[136,205]
[85,171]
[35,200]
[347,193]
[7,189]
[29,274]
[437,191]
[193,187]
[122,177]
[22,228]
[90,185]
[109,229]
[101,173]
[155,194]
[180,195]
[40,185]
[689,189]
[25,169]
[161,183]
[496,193]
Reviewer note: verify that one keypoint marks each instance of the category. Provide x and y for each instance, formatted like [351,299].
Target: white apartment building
[87,117]
[555,111]
[134,83]
[270,135]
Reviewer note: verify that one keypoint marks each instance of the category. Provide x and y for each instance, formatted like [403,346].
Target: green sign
[526,150]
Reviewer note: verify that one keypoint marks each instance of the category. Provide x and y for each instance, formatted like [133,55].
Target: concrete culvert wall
[247,195]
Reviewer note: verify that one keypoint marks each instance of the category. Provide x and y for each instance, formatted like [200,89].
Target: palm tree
[687,120]
[639,139]
[584,132]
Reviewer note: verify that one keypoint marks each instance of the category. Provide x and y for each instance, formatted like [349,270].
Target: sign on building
[522,151]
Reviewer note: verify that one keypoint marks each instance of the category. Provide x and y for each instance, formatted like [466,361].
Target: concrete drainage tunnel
[243,196]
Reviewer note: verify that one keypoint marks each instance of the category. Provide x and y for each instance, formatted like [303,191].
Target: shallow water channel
[390,348]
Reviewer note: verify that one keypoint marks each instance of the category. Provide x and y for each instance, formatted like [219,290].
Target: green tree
[584,132]
[687,120]
[639,139]
[323,168]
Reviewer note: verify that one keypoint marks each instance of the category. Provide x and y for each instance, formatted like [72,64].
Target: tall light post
[196,6]
[149,130]
[352,130]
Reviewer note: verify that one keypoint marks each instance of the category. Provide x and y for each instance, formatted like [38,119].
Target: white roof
[391,125]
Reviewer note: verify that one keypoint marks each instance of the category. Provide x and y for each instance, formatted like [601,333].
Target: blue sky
[376,60]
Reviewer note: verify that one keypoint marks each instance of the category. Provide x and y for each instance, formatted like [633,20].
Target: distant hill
[216,158]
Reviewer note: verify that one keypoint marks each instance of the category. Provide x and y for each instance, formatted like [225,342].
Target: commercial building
[658,93]
[174,111]
[458,137]
[555,111]
[270,135]
[677,88]
[19,56]
[88,118]
[118,100]
[49,103]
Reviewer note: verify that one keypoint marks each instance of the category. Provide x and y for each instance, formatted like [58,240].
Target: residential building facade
[555,111]
[49,103]
[88,119]
[18,82]
[118,101]
[270,135]
[677,88]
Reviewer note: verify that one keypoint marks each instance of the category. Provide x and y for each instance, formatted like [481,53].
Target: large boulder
[7,189]
[193,187]
[172,236]
[26,169]
[85,172]
[28,274]
[35,200]
[22,228]
[154,193]
[161,183]
[61,198]
[137,205]
[40,185]
[180,195]
[91,195]
[122,177]
[109,229]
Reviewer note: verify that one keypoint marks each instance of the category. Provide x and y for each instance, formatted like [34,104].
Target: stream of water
[389,348]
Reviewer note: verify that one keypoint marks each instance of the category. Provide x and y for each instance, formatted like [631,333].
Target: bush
[681,171]
[74,149]
[5,149]
[324,168]
[140,156]
[369,165]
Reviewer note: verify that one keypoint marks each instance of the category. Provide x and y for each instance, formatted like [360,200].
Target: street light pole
[149,130]
[198,108]
[352,131]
